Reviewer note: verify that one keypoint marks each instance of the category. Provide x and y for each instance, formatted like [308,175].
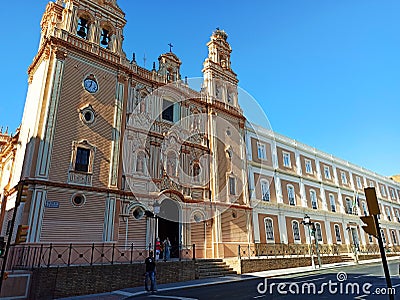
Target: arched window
[318,232]
[394,238]
[364,207]
[383,236]
[313,197]
[349,206]
[397,215]
[269,230]
[388,214]
[83,27]
[296,231]
[265,195]
[105,38]
[337,234]
[370,238]
[291,195]
[332,202]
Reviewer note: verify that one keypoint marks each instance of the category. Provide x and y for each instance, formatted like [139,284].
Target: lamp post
[307,222]
[156,211]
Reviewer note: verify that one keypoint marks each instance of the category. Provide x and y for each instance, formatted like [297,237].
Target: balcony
[79,178]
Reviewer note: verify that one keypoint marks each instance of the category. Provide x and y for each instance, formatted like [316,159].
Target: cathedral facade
[110,152]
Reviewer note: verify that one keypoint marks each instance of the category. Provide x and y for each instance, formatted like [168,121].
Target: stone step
[346,257]
[212,268]
[216,274]
[208,265]
[201,260]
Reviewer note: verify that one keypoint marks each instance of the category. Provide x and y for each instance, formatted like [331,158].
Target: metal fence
[301,250]
[51,255]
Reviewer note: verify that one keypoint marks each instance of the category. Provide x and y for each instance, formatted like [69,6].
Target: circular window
[78,200]
[197,218]
[88,115]
[138,213]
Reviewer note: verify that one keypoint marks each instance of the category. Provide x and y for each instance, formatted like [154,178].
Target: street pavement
[340,280]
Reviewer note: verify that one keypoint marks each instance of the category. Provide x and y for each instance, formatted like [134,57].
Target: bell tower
[220,81]
[226,140]
[73,119]
[98,22]
[169,65]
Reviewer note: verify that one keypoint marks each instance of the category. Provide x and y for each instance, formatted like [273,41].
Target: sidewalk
[136,291]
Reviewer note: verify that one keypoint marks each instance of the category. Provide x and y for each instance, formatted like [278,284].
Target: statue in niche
[196,172]
[140,162]
[171,164]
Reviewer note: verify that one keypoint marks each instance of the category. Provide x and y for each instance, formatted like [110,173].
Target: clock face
[90,85]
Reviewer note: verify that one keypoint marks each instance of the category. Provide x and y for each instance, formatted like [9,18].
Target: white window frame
[338,236]
[358,180]
[371,183]
[392,193]
[332,202]
[296,235]
[396,212]
[313,199]
[290,187]
[327,172]
[383,236]
[318,232]
[364,208]
[269,231]
[370,238]
[261,151]
[346,201]
[343,177]
[394,237]
[265,192]
[388,213]
[286,159]
[308,166]
[383,190]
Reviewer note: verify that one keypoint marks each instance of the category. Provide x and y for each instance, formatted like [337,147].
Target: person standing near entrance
[167,249]
[150,273]
[158,248]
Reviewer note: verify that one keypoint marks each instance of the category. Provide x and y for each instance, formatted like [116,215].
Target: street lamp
[311,227]
[156,211]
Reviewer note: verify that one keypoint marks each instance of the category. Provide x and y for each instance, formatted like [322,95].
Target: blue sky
[326,73]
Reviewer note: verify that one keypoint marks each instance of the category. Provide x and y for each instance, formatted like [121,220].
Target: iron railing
[301,250]
[33,256]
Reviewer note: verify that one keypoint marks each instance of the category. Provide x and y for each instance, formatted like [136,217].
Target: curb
[124,293]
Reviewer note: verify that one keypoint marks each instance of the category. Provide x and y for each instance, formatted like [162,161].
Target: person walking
[150,273]
[167,249]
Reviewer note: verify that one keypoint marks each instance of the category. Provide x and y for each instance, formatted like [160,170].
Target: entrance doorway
[169,225]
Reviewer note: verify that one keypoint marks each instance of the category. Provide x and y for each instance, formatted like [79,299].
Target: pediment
[110,5]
